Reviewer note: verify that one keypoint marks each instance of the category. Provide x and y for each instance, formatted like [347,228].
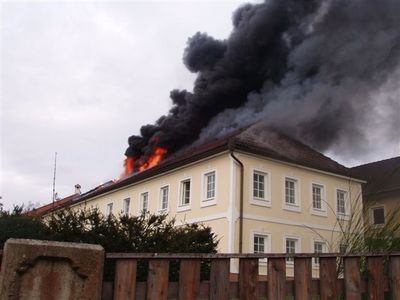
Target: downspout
[231,146]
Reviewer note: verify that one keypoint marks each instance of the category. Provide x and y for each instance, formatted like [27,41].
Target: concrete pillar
[46,270]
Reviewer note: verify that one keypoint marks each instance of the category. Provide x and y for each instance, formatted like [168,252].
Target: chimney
[77,189]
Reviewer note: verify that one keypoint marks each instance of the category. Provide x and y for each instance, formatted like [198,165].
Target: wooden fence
[372,276]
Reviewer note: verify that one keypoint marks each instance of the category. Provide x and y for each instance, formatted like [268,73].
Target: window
[291,194]
[209,188]
[259,243]
[291,247]
[127,203]
[144,200]
[378,215]
[319,247]
[109,209]
[318,197]
[259,185]
[164,198]
[185,193]
[341,202]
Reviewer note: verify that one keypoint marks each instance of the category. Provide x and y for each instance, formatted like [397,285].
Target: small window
[341,202]
[164,198]
[259,243]
[319,247]
[291,247]
[109,209]
[291,194]
[127,203]
[209,188]
[185,193]
[378,215]
[317,197]
[259,181]
[144,200]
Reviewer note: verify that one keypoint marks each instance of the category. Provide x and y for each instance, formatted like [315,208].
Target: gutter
[231,147]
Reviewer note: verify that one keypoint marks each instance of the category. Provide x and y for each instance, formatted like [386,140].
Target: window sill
[293,208]
[208,202]
[343,217]
[163,211]
[183,208]
[319,213]
[260,202]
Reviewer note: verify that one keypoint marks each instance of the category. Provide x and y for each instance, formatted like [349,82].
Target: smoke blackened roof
[255,139]
[381,176]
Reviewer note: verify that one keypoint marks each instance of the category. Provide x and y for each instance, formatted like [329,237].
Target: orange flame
[154,159]
[129,164]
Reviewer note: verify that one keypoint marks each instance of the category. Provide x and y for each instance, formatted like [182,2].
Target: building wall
[267,217]
[212,212]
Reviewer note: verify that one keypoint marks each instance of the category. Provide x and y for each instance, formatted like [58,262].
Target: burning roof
[256,139]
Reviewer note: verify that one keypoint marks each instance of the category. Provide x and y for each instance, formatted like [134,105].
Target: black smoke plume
[310,68]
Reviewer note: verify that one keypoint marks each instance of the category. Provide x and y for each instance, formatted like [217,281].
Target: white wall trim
[288,222]
[297,189]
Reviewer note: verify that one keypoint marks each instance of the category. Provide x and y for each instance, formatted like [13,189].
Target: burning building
[260,191]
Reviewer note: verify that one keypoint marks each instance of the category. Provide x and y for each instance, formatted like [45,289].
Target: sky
[79,77]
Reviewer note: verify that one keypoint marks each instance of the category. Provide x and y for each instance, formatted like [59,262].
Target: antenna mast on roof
[54,177]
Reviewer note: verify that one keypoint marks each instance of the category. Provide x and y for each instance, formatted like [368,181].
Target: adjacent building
[381,192]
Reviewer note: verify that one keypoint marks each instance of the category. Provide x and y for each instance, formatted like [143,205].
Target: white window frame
[315,211]
[141,207]
[109,209]
[160,199]
[315,261]
[371,215]
[297,246]
[346,215]
[266,201]
[204,200]
[296,207]
[184,206]
[267,245]
[124,210]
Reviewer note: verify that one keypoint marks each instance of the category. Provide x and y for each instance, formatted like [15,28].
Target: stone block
[45,270]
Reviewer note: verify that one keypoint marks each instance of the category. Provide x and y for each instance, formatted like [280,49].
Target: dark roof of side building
[254,139]
[381,176]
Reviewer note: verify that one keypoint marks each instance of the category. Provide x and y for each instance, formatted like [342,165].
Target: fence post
[302,278]
[248,278]
[328,278]
[125,279]
[352,278]
[219,279]
[157,279]
[277,278]
[375,278]
[395,277]
[189,279]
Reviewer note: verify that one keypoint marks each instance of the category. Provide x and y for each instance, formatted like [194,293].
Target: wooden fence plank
[189,279]
[376,278]
[395,277]
[328,278]
[352,278]
[248,279]
[157,279]
[302,278]
[125,279]
[219,279]
[277,278]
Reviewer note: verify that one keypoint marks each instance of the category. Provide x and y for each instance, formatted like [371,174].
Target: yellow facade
[268,218]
